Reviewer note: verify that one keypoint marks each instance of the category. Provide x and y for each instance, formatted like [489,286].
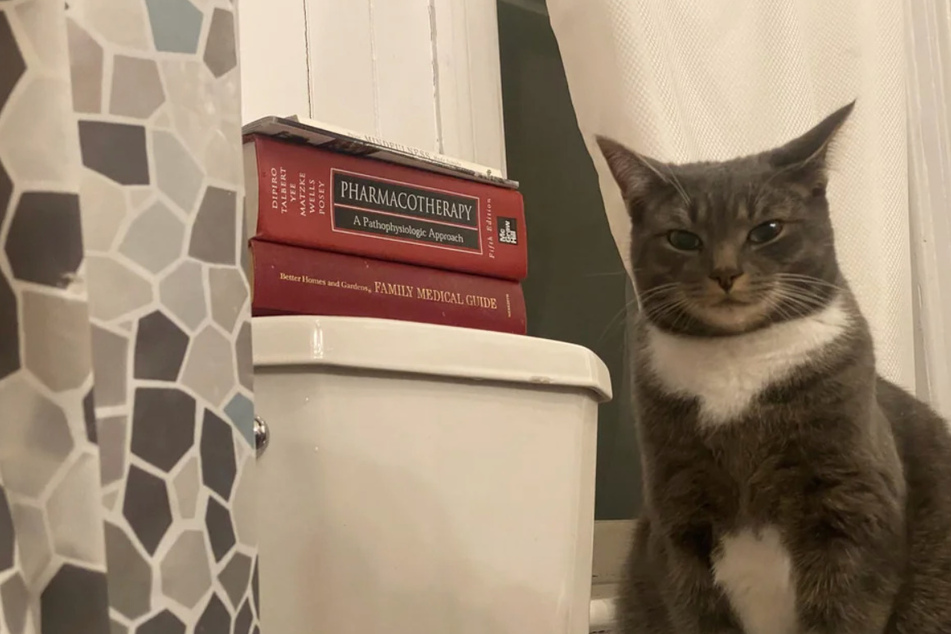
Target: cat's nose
[725,277]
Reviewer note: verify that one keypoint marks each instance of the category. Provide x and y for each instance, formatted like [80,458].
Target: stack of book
[347,225]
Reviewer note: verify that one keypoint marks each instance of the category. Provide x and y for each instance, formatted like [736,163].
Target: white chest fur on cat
[726,373]
[755,572]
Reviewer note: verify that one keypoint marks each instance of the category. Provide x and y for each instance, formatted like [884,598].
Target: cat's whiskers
[680,188]
[661,310]
[618,317]
[660,288]
[774,303]
[654,308]
[801,302]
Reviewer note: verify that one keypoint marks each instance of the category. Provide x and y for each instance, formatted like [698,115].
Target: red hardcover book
[310,197]
[289,280]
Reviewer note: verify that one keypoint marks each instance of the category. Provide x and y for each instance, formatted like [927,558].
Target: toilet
[422,479]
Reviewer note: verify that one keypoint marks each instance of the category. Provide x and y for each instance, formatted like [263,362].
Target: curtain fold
[126,446]
[684,81]
[928,59]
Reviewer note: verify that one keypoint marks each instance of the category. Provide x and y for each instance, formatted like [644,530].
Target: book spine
[288,280]
[315,198]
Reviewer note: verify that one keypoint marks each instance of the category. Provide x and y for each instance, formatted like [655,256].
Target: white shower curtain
[928,55]
[688,80]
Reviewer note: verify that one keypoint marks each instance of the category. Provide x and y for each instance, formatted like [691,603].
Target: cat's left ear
[804,159]
[637,175]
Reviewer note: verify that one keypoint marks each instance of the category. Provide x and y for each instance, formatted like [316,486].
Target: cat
[789,488]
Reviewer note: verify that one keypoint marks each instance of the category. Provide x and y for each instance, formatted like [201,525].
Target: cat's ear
[635,173]
[805,158]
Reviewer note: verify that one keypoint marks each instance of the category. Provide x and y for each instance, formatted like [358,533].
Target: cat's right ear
[635,174]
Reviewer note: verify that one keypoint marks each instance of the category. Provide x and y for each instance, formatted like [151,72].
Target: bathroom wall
[577,289]
[420,72]
[126,460]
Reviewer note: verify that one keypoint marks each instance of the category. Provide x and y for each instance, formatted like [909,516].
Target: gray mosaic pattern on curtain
[126,461]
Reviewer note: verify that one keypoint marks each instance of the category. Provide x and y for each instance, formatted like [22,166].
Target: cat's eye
[684,240]
[766,232]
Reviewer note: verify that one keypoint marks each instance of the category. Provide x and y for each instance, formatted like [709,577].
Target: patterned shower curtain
[126,448]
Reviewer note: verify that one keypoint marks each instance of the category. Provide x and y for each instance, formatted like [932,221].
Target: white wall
[423,73]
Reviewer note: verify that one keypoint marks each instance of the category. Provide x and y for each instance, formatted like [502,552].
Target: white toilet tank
[422,479]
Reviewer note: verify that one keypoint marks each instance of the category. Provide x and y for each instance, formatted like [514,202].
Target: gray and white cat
[789,489]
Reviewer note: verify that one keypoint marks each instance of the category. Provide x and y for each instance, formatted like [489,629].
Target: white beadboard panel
[371,68]
[404,75]
[452,71]
[468,78]
[485,81]
[424,73]
[272,47]
[340,55]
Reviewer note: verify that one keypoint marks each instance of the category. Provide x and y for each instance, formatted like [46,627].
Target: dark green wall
[577,288]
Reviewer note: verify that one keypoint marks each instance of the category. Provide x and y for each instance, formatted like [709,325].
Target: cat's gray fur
[852,472]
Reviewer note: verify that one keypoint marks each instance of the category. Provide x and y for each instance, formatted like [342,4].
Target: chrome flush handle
[262,436]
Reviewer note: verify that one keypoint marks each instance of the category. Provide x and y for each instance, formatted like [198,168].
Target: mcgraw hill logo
[508,231]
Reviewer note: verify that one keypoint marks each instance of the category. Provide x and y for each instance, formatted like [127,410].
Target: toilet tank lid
[402,346]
